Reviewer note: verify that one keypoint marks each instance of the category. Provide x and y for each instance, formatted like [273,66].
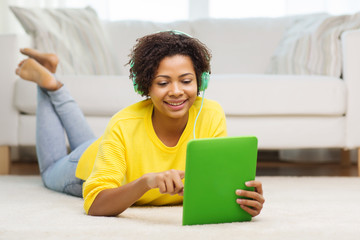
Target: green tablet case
[215,168]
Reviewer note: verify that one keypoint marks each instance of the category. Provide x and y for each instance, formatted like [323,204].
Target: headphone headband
[177,32]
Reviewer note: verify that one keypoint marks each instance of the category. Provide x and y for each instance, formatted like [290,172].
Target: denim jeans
[58,116]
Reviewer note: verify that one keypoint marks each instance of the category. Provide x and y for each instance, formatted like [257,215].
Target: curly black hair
[149,50]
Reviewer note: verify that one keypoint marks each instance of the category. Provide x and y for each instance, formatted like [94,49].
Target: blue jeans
[57,113]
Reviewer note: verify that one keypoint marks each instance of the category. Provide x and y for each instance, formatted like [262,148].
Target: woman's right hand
[113,201]
[168,182]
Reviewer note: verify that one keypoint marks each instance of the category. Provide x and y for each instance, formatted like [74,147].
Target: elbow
[99,212]
[94,213]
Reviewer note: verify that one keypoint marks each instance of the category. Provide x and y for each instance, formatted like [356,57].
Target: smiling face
[174,88]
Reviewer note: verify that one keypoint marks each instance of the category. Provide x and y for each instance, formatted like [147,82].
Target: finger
[250,203]
[162,186]
[252,212]
[178,184]
[256,184]
[17,71]
[181,174]
[21,63]
[169,185]
[251,195]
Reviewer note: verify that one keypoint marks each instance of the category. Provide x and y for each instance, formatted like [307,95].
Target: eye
[162,83]
[187,81]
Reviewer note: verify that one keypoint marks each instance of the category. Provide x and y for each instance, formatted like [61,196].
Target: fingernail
[238,192]
[247,183]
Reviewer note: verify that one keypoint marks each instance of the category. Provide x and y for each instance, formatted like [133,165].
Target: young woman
[140,159]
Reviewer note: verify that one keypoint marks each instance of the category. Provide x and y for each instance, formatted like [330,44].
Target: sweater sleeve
[109,168]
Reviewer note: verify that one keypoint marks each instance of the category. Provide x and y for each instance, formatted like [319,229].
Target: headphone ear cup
[136,87]
[205,77]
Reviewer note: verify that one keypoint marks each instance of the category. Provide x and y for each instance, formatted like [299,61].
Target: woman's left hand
[255,201]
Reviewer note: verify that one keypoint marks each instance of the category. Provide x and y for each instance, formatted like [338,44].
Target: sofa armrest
[351,75]
[9,57]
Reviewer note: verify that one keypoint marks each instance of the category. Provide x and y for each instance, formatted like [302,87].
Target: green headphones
[205,76]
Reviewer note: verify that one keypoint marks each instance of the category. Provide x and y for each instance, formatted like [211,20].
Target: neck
[169,130]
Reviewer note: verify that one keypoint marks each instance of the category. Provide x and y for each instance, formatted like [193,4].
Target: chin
[178,115]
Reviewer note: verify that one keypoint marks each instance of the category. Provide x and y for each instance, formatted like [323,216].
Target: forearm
[112,202]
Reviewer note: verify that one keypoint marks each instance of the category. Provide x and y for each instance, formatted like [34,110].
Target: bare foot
[48,60]
[31,70]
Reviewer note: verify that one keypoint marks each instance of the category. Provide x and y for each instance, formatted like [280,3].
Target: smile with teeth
[175,104]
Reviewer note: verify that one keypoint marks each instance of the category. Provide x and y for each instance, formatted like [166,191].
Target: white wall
[196,8]
[8,23]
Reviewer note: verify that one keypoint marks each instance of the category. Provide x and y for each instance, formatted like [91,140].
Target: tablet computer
[215,168]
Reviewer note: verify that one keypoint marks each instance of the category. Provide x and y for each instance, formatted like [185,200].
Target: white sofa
[283,111]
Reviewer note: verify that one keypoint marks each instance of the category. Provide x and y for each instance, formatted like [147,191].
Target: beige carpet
[295,208]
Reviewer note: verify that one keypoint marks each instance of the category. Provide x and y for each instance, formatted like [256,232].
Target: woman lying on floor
[140,159]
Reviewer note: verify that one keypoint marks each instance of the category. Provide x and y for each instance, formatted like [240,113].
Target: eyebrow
[166,76]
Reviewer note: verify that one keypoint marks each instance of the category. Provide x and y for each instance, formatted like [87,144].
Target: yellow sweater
[130,148]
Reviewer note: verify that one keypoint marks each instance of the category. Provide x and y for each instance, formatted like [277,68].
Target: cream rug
[295,208]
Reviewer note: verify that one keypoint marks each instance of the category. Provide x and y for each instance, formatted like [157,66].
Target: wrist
[144,181]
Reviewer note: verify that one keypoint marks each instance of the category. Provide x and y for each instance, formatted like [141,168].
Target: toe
[29,52]
[21,63]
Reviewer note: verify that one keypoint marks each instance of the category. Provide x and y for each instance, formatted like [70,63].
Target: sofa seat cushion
[239,94]
[278,95]
[96,95]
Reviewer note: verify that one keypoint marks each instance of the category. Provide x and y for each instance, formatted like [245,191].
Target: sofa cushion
[123,35]
[312,45]
[243,95]
[288,95]
[240,45]
[272,132]
[75,35]
[278,132]
[96,95]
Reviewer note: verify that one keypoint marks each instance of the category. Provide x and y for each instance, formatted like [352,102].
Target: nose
[176,89]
